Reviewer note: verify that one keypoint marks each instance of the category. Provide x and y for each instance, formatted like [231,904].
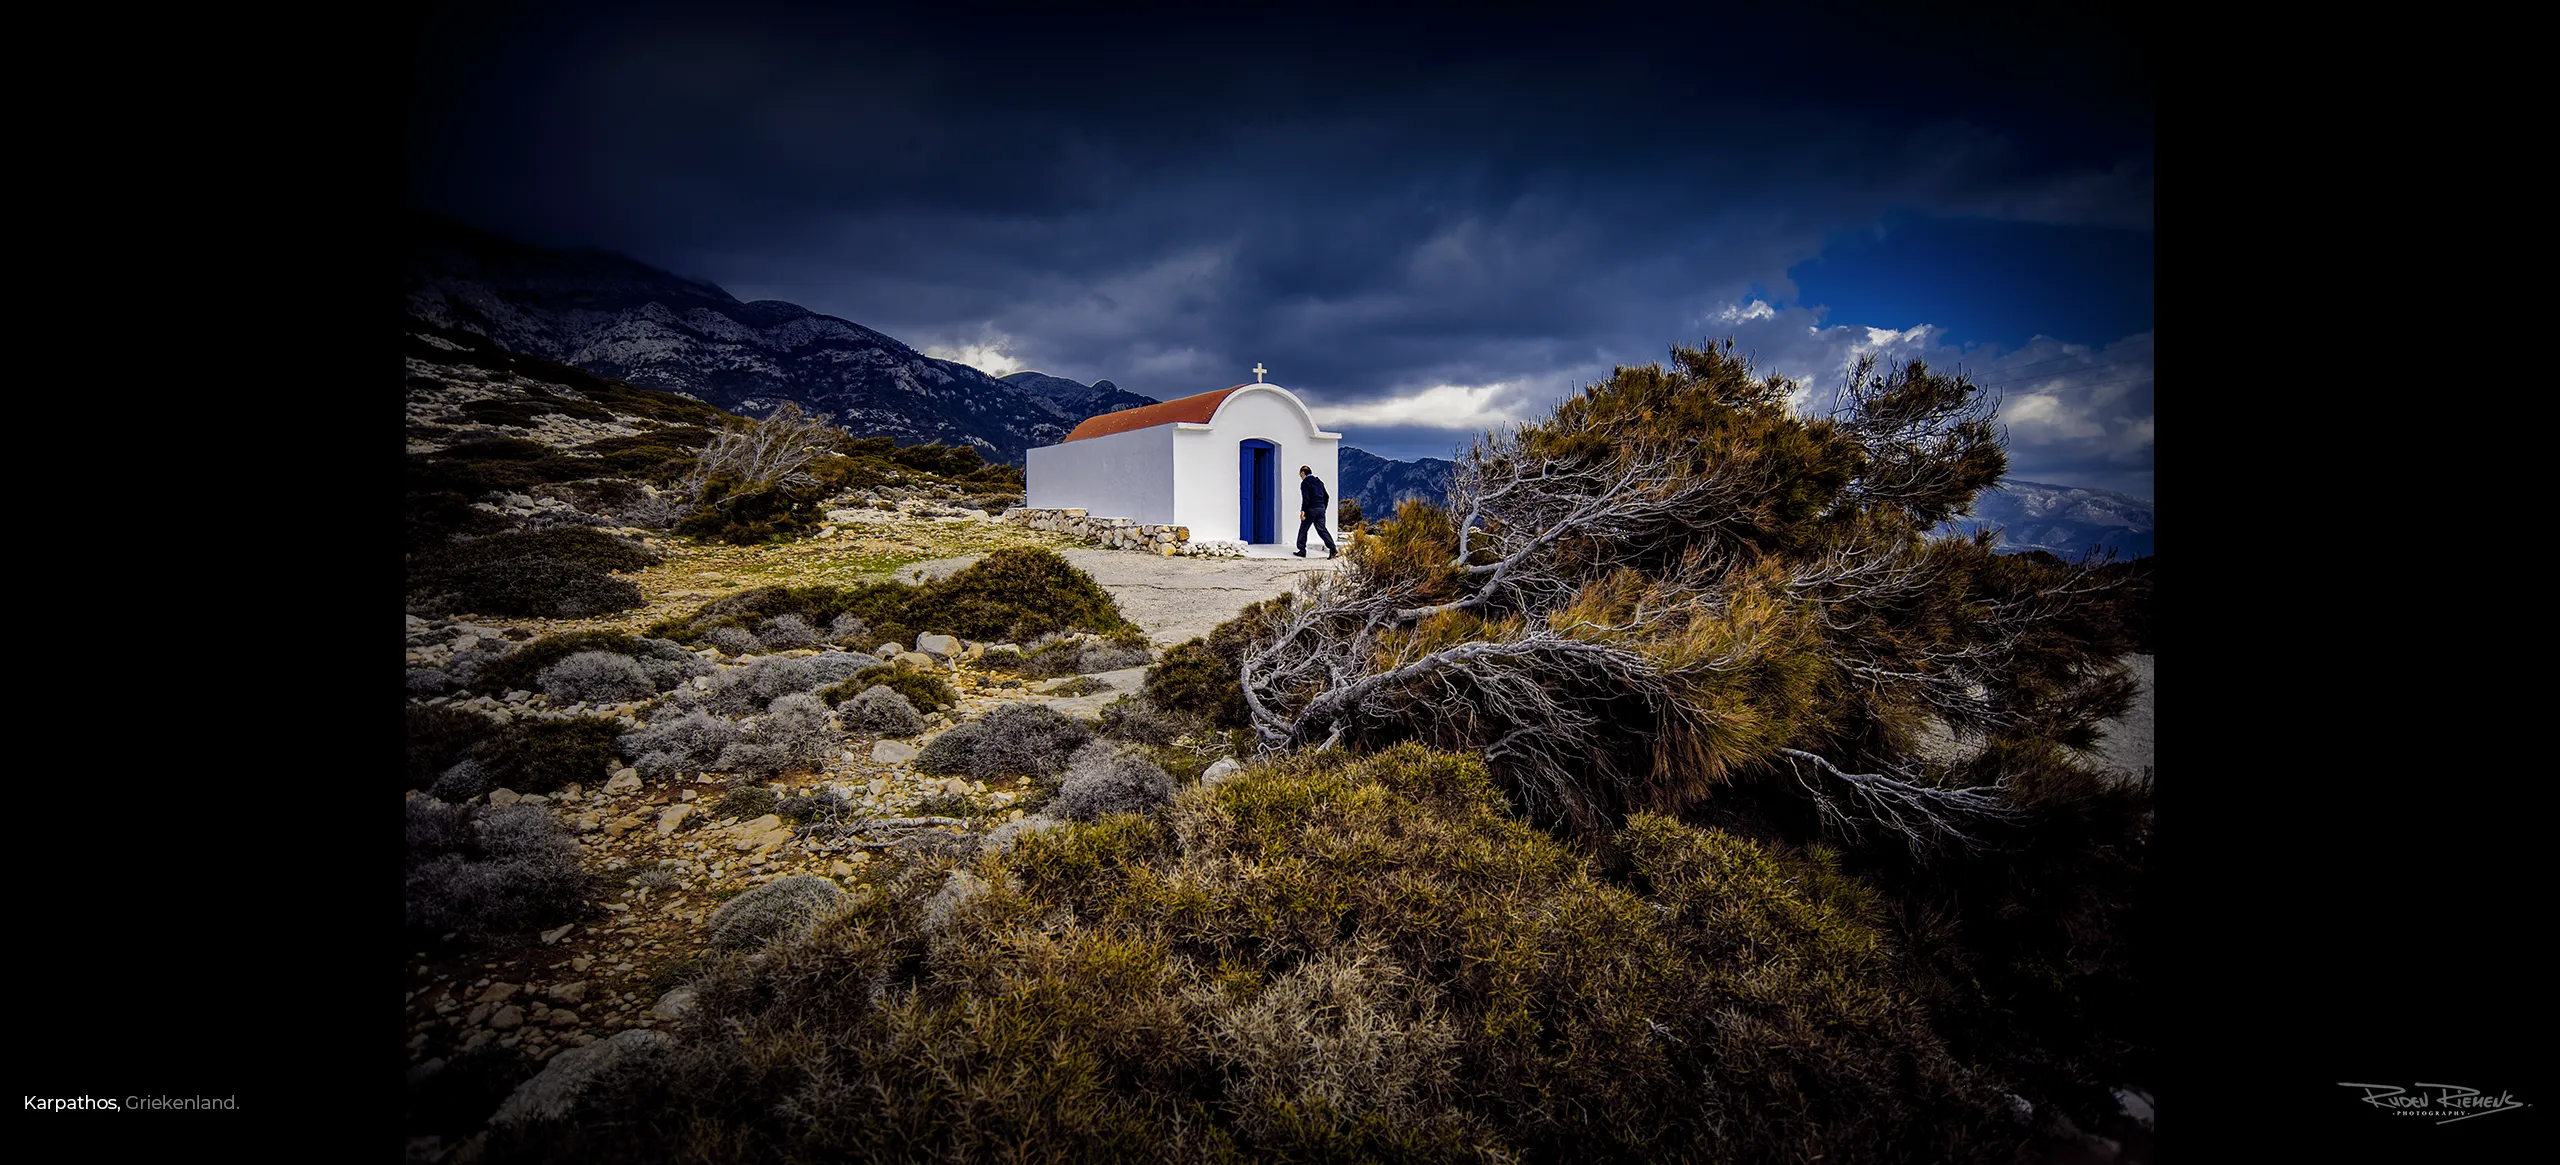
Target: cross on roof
[1258,370]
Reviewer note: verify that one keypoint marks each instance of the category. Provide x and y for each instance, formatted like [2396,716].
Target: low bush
[786,631]
[746,802]
[439,737]
[465,780]
[773,910]
[1014,740]
[749,688]
[734,640]
[667,663]
[487,874]
[1193,680]
[678,744]
[565,572]
[1326,958]
[598,677]
[821,806]
[1102,779]
[1012,594]
[752,515]
[1073,657]
[521,669]
[1138,720]
[849,630]
[882,711]
[531,755]
[793,736]
[922,689]
[835,667]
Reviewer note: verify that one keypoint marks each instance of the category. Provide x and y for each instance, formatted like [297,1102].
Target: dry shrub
[1326,958]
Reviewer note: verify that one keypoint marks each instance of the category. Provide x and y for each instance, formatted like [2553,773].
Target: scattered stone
[674,816]
[1225,767]
[479,1014]
[674,1004]
[587,822]
[890,752]
[581,963]
[501,798]
[621,825]
[556,933]
[624,781]
[507,1018]
[562,1017]
[940,647]
[498,993]
[684,794]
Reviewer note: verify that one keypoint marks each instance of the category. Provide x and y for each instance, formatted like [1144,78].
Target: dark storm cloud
[1422,224]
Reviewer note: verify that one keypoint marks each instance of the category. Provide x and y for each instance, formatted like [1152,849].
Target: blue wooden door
[1257,490]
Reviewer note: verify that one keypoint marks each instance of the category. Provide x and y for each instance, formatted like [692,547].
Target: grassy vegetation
[1366,959]
[924,691]
[540,756]
[556,572]
[1012,593]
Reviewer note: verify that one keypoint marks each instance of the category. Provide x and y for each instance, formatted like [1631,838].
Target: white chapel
[1224,463]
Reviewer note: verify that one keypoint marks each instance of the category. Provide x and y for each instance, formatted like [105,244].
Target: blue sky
[1425,222]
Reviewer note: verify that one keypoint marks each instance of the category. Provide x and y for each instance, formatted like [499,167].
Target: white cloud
[991,353]
[1441,406]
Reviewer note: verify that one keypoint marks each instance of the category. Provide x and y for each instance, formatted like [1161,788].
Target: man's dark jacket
[1311,495]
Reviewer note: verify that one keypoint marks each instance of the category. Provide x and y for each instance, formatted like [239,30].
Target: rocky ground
[670,855]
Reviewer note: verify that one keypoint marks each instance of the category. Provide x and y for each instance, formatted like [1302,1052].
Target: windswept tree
[1676,581]
[751,454]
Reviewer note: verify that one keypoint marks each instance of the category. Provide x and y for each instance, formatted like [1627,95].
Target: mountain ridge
[619,317]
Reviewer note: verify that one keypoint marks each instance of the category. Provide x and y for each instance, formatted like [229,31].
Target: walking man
[1312,511]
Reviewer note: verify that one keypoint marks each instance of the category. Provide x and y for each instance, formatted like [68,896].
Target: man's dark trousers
[1311,521]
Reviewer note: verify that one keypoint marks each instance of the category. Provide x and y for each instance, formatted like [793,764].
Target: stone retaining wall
[1120,533]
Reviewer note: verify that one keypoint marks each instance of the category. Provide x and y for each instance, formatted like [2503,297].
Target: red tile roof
[1194,409]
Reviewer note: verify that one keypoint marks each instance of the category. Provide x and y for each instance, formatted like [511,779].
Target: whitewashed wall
[1122,475]
[1205,463]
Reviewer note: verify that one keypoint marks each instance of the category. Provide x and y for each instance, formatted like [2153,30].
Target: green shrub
[564,572]
[515,671]
[923,690]
[940,460]
[1015,594]
[772,910]
[747,517]
[1192,680]
[659,457]
[745,802]
[1326,958]
[438,737]
[531,755]
[1014,740]
[489,874]
[1010,594]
